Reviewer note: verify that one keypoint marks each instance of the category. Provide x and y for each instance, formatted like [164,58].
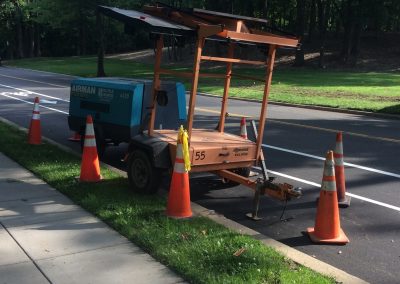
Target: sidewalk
[45,238]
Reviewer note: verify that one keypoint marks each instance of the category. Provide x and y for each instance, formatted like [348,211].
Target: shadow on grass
[395,109]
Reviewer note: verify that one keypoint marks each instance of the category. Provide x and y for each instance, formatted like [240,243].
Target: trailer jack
[280,191]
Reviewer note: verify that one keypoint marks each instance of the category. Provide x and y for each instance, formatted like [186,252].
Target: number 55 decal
[200,155]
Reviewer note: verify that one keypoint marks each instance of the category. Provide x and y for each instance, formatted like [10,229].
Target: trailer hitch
[266,186]
[279,191]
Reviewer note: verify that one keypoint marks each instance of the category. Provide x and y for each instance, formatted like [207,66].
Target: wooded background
[34,28]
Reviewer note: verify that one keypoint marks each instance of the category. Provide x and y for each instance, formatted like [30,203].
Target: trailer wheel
[142,175]
[244,172]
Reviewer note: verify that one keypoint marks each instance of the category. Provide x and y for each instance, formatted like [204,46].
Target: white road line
[31,92]
[294,178]
[43,101]
[323,159]
[18,94]
[29,80]
[281,174]
[396,208]
[31,103]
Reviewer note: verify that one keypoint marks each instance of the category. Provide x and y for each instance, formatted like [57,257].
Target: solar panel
[154,24]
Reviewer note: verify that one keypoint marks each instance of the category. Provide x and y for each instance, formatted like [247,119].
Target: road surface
[295,142]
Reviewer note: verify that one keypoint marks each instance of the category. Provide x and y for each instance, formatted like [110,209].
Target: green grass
[198,249]
[376,92]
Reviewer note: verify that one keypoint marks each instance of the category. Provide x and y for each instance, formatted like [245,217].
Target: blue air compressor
[120,107]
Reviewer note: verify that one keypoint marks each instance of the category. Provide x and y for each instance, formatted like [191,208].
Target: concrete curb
[291,253]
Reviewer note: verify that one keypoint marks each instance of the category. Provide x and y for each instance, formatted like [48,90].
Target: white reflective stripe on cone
[36,116]
[328,169]
[339,162]
[90,142]
[179,168]
[179,151]
[339,148]
[89,129]
[328,186]
[36,107]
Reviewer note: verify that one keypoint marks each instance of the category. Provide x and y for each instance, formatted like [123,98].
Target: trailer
[211,150]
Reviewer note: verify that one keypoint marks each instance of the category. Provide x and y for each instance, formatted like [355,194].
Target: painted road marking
[307,126]
[31,103]
[336,131]
[40,82]
[281,174]
[34,93]
[347,193]
[18,94]
[43,101]
[323,159]
[219,112]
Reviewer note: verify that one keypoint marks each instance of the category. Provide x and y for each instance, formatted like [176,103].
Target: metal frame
[234,30]
[206,29]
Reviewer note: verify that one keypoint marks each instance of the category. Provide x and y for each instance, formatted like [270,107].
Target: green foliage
[199,249]
[67,27]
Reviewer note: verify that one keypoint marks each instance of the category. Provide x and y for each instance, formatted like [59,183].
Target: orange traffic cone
[75,138]
[327,224]
[243,129]
[34,134]
[179,192]
[90,168]
[343,200]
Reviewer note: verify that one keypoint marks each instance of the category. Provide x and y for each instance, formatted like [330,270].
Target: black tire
[142,175]
[244,172]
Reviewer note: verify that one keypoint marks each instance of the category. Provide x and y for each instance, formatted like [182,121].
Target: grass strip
[367,91]
[199,249]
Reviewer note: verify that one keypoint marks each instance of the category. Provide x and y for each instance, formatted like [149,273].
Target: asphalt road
[295,142]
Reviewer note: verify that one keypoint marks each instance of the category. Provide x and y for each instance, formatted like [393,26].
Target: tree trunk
[348,32]
[320,8]
[83,38]
[18,27]
[38,51]
[325,14]
[100,51]
[300,23]
[31,30]
[312,20]
[10,50]
[355,48]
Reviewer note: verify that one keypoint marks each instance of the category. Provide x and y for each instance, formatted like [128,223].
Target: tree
[300,27]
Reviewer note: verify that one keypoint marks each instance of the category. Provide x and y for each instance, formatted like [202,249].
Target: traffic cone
[75,138]
[34,134]
[243,129]
[90,168]
[343,200]
[327,224]
[179,192]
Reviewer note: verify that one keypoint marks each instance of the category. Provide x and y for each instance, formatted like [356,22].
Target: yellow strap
[183,138]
